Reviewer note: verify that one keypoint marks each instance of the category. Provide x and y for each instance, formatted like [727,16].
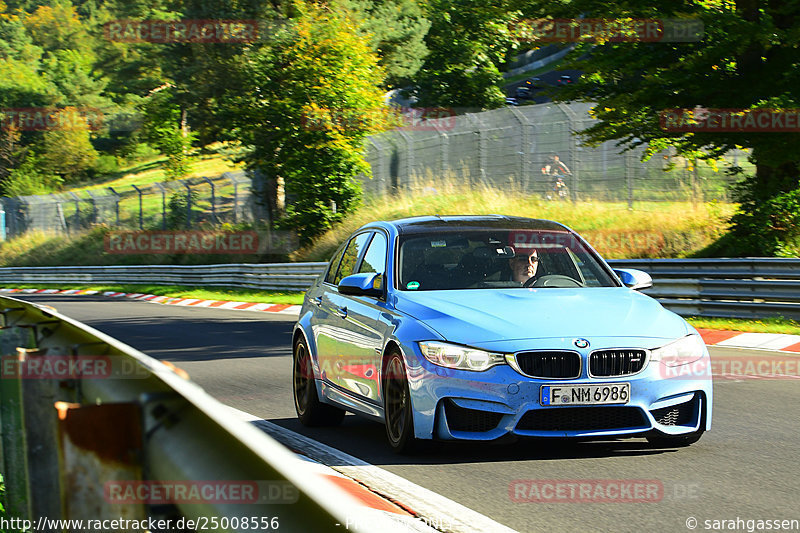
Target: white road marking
[434,509]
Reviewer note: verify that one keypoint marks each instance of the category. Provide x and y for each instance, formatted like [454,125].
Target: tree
[164,130]
[397,30]
[747,59]
[468,41]
[304,102]
[67,150]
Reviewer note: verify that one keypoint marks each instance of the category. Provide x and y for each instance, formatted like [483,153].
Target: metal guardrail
[748,288]
[744,288]
[278,276]
[64,438]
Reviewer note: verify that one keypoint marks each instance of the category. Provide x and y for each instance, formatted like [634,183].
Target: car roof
[425,224]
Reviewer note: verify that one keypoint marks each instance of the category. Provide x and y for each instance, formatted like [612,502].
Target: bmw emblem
[581,343]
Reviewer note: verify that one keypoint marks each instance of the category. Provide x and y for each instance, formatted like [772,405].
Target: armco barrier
[748,288]
[64,439]
[744,288]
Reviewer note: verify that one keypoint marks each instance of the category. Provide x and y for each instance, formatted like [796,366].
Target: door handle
[317,301]
[342,312]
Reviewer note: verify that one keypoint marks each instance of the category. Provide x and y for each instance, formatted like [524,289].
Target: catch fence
[509,147]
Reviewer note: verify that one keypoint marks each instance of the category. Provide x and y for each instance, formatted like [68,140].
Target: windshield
[498,259]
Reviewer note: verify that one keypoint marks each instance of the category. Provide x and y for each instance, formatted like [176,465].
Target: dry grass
[650,229]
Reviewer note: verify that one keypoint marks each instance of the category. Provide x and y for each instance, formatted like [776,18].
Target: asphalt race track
[747,467]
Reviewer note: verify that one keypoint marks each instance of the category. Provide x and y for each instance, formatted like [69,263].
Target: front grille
[582,418]
[463,419]
[676,415]
[616,362]
[558,365]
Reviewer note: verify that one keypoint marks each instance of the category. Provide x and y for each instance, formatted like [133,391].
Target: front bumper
[459,404]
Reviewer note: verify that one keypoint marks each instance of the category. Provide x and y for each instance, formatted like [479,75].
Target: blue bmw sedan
[478,327]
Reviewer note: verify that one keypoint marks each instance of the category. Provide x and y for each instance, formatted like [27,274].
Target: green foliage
[290,103]
[396,29]
[468,41]
[163,129]
[29,178]
[67,151]
[746,59]
[765,227]
[177,208]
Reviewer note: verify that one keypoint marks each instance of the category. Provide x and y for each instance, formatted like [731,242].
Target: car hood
[478,316]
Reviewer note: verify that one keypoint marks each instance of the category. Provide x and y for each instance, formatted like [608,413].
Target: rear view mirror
[368,284]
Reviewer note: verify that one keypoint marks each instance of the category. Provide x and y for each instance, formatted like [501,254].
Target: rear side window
[333,266]
[375,258]
[351,254]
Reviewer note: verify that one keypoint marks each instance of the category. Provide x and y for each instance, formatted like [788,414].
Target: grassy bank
[650,229]
[763,325]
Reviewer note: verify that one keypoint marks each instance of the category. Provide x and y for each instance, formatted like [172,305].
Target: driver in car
[524,264]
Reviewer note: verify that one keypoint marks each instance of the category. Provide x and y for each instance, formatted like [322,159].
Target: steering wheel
[553,281]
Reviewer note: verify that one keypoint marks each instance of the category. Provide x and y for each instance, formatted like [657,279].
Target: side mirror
[634,279]
[369,284]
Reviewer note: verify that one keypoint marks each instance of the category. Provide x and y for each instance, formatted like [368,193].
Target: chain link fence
[511,146]
[175,204]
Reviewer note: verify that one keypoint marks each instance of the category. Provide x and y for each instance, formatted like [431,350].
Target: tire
[680,441]
[397,405]
[310,411]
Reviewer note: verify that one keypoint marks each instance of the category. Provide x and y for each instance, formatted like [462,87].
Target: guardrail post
[99,444]
[40,421]
[13,437]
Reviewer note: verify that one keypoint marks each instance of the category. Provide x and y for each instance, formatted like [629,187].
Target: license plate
[604,394]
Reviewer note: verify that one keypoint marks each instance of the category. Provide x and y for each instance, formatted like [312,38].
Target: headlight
[460,357]
[681,352]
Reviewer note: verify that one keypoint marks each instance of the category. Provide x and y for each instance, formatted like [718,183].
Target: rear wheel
[397,405]
[310,410]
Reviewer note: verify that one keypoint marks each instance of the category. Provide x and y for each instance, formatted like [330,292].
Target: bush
[27,179]
[177,208]
[769,228]
[105,164]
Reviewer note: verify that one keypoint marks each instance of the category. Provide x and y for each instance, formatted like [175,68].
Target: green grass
[175,291]
[144,173]
[763,325]
[3,515]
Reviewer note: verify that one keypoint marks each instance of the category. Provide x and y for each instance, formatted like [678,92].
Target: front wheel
[310,410]
[397,405]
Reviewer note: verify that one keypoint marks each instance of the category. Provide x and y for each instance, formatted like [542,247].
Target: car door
[363,345]
[330,327]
